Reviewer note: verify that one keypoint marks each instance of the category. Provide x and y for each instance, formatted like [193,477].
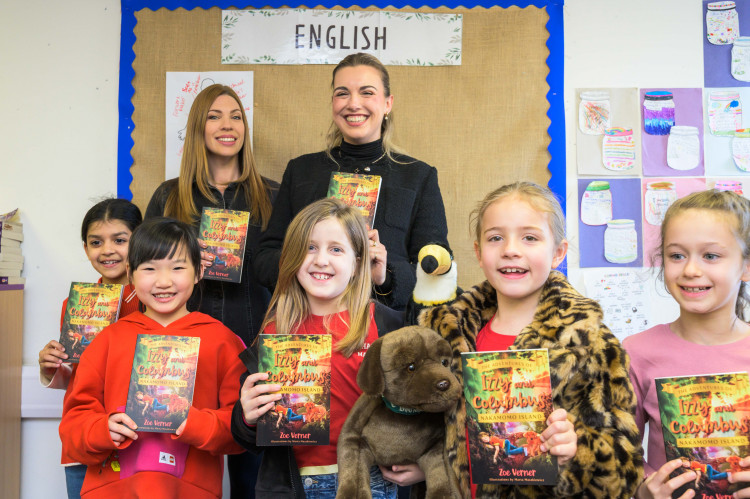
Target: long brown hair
[194,166]
[289,306]
[334,136]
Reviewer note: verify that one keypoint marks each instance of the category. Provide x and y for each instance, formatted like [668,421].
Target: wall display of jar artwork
[725,131]
[726,48]
[609,224]
[657,194]
[668,152]
[608,134]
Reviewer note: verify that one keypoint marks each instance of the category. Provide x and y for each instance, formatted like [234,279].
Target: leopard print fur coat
[589,375]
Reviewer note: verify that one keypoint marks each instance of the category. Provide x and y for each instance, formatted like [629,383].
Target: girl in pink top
[705,264]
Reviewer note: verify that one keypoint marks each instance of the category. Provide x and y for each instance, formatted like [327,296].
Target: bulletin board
[496,118]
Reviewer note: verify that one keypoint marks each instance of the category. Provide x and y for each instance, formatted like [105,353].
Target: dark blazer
[240,306]
[410,214]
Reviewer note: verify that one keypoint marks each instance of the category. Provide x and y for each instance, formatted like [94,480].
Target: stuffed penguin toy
[437,277]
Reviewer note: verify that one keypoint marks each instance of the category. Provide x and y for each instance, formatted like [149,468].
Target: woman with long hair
[218,170]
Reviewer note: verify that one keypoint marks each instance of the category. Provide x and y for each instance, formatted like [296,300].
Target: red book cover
[225,232]
[705,421]
[91,307]
[301,364]
[162,381]
[508,400]
[359,191]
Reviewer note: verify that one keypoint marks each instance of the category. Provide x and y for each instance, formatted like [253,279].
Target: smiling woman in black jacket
[218,171]
[410,211]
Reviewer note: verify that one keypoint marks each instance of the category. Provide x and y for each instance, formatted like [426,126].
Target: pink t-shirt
[658,352]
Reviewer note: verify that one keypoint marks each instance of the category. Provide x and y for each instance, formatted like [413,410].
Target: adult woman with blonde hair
[218,170]
[410,211]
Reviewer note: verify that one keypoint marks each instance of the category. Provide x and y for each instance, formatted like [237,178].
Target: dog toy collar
[400,410]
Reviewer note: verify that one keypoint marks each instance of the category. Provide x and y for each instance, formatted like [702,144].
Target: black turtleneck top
[410,211]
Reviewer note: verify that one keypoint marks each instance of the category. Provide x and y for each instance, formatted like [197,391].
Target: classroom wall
[59,139]
[60,63]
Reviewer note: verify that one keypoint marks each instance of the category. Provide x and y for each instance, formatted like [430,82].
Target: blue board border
[555,78]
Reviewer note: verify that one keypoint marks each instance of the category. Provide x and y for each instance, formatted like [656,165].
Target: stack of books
[11,258]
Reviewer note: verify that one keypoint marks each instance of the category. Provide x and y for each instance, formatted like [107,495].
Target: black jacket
[279,476]
[410,212]
[239,306]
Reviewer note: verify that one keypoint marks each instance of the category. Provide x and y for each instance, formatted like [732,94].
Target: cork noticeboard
[484,123]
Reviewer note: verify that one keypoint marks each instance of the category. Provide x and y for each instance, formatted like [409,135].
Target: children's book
[9,280]
[359,191]
[6,242]
[225,232]
[9,256]
[91,307]
[12,231]
[12,265]
[705,421]
[162,381]
[508,399]
[301,364]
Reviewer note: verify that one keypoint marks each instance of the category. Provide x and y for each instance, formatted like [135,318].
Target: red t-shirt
[490,341]
[344,388]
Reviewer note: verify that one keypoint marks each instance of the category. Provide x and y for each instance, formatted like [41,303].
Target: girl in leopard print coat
[520,239]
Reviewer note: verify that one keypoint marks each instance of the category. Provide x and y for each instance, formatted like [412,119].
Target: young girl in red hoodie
[163,266]
[105,231]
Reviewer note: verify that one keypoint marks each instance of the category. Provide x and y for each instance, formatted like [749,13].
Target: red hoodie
[194,466]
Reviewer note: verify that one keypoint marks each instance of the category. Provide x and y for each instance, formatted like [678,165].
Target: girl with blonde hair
[323,288]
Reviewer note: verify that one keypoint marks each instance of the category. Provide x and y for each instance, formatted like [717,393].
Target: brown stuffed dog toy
[407,384]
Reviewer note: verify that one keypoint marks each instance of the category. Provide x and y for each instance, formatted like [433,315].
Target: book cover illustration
[91,307]
[225,233]
[162,381]
[508,399]
[705,421]
[301,364]
[359,191]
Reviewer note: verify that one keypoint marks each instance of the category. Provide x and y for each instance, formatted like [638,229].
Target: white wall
[627,43]
[58,135]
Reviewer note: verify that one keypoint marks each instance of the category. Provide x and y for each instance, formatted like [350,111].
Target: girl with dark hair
[105,231]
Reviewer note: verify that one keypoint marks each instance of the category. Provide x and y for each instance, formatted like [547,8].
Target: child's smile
[164,286]
[328,267]
[517,249]
[703,263]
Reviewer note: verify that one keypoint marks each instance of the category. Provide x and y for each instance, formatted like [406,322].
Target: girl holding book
[410,211]
[705,264]
[164,265]
[218,170]
[525,304]
[106,230]
[323,288]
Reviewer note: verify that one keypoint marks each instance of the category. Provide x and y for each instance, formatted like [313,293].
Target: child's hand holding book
[121,428]
[256,399]
[51,358]
[560,437]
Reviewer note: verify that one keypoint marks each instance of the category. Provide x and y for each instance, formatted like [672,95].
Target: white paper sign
[623,297]
[312,36]
[182,88]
